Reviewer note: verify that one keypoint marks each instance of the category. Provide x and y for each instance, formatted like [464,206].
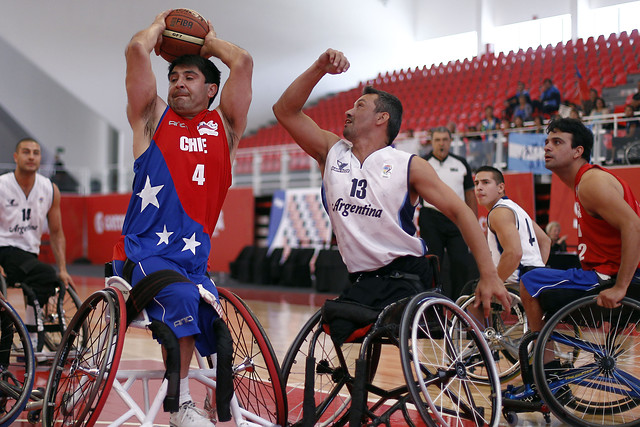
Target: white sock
[185,395]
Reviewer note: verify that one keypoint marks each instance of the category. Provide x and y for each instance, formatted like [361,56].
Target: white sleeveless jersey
[24,219]
[369,206]
[530,250]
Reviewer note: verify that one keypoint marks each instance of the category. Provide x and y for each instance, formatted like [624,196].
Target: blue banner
[526,153]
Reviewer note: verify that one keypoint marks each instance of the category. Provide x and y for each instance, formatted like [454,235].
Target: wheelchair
[593,379]
[51,319]
[17,365]
[84,373]
[503,331]
[335,385]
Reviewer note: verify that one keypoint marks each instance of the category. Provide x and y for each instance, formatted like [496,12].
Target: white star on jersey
[191,243]
[148,195]
[164,236]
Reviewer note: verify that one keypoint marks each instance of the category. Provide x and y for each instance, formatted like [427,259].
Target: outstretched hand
[486,290]
[333,62]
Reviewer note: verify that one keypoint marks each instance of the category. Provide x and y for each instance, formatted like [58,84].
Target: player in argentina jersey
[516,242]
[371,190]
[183,152]
[30,205]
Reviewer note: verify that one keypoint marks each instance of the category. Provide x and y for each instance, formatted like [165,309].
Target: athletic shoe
[189,416]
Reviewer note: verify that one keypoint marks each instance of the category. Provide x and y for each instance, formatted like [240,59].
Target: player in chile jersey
[371,189]
[183,153]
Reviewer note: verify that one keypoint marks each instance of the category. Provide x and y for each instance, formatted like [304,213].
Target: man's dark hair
[25,140]
[582,137]
[387,103]
[206,67]
[441,129]
[497,174]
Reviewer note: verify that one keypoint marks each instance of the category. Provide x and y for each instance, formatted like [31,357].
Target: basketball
[184,35]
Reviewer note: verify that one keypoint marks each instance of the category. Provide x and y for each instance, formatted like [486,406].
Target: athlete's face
[188,92]
[441,143]
[558,152]
[361,117]
[28,156]
[487,190]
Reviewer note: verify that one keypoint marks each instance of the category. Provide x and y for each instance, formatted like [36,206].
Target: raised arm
[144,107]
[288,109]
[426,183]
[56,236]
[602,196]
[235,97]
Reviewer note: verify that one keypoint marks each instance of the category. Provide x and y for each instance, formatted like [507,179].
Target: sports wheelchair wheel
[83,372]
[595,380]
[17,364]
[57,315]
[436,368]
[632,154]
[503,334]
[256,373]
[329,368]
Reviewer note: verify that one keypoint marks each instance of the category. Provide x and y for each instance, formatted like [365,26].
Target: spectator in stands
[631,125]
[574,113]
[550,99]
[558,244]
[589,104]
[518,124]
[512,103]
[482,152]
[439,232]
[600,107]
[523,109]
[538,125]
[490,122]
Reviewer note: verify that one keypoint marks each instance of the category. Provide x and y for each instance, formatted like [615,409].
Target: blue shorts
[179,305]
[544,279]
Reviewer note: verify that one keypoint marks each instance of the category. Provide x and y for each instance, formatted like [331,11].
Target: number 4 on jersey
[198,174]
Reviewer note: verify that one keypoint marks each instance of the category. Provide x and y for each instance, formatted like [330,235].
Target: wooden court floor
[281,311]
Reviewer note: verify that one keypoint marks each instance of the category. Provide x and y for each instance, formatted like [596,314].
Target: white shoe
[189,416]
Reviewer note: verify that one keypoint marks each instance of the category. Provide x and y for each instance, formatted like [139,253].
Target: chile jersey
[599,244]
[369,206]
[180,183]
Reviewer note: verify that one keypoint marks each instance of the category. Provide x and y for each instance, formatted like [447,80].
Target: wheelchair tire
[256,373]
[17,364]
[632,154]
[57,315]
[435,369]
[503,336]
[330,375]
[83,372]
[597,385]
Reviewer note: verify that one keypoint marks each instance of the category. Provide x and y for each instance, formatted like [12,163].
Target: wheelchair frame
[258,398]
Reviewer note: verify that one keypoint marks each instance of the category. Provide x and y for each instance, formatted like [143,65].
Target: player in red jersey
[183,155]
[608,226]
